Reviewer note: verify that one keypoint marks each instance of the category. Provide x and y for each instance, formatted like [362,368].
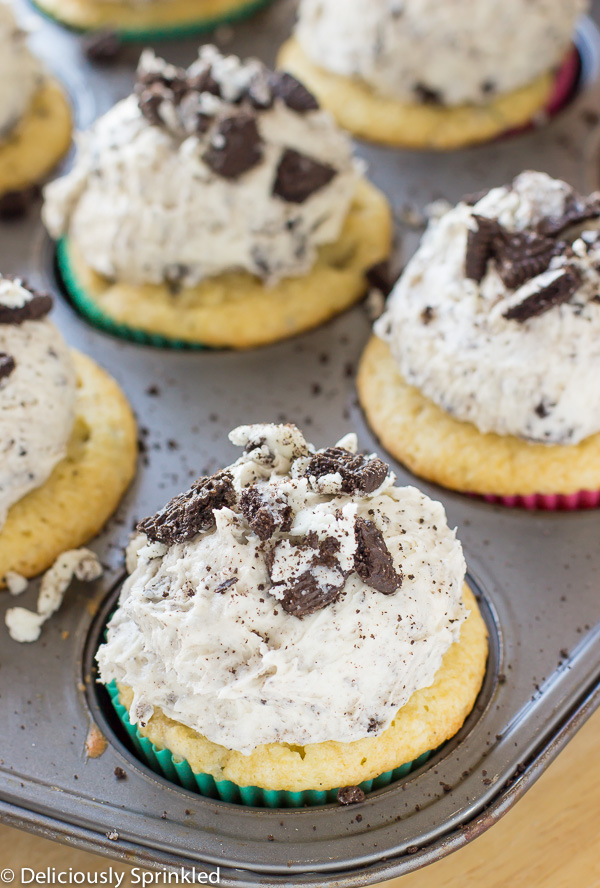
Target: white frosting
[20,72]
[239,669]
[142,206]
[25,625]
[461,50]
[37,402]
[536,379]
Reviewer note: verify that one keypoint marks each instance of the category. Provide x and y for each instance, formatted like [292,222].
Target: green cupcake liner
[180,772]
[98,318]
[173,32]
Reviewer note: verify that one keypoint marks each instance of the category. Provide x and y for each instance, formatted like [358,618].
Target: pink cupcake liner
[548,502]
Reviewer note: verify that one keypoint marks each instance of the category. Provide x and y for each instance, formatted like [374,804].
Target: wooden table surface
[550,839]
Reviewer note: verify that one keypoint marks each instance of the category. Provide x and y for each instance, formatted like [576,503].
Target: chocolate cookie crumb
[522,255]
[190,512]
[102,47]
[577,209]
[263,516]
[305,594]
[225,585]
[479,243]
[556,293]
[119,773]
[372,560]
[350,795]
[33,309]
[359,474]
[235,147]
[381,277]
[7,365]
[299,176]
[471,199]
[427,96]
[295,95]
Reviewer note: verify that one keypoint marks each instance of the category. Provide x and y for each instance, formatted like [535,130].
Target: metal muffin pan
[534,572]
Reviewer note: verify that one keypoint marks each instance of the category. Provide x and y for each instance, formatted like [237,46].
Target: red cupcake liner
[548,502]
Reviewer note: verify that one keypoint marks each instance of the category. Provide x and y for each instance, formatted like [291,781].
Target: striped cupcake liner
[90,310]
[179,772]
[548,502]
[169,32]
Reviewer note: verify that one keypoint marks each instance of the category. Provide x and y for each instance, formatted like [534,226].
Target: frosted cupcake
[294,624]
[67,438]
[147,19]
[216,206]
[483,372]
[35,117]
[425,74]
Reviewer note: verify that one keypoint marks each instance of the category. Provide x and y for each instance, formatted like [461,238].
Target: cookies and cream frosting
[37,393]
[20,72]
[297,596]
[221,167]
[449,53]
[496,318]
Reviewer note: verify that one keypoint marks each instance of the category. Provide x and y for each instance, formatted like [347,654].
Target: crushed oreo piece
[204,82]
[190,512]
[522,255]
[471,199]
[235,147]
[305,594]
[577,209]
[226,584]
[350,795]
[381,277]
[427,315]
[293,93]
[427,96]
[33,309]
[16,204]
[372,560]
[259,92]
[102,47]
[556,293]
[119,773]
[265,516]
[359,474]
[7,365]
[298,176]
[479,247]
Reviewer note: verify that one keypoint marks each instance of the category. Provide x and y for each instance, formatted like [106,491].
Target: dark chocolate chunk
[558,292]
[372,560]
[299,176]
[426,95]
[522,255]
[265,517]
[295,95]
[577,209]
[235,147]
[381,277]
[359,474]
[190,512]
[479,247]
[102,47]
[16,204]
[350,795]
[7,365]
[33,309]
[304,594]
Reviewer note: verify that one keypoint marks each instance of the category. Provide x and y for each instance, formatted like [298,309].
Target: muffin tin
[535,572]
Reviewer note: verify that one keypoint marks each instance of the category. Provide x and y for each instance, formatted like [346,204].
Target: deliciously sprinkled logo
[53,876]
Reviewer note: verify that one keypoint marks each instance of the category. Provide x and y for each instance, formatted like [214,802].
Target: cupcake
[35,117]
[216,206]
[67,438]
[425,74]
[483,373]
[148,19]
[294,624]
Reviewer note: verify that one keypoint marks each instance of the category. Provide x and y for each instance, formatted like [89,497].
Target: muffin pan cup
[536,573]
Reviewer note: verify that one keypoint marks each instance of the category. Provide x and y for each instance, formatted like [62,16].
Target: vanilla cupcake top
[297,596]
[445,53]
[223,167]
[497,316]
[20,72]
[37,393]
